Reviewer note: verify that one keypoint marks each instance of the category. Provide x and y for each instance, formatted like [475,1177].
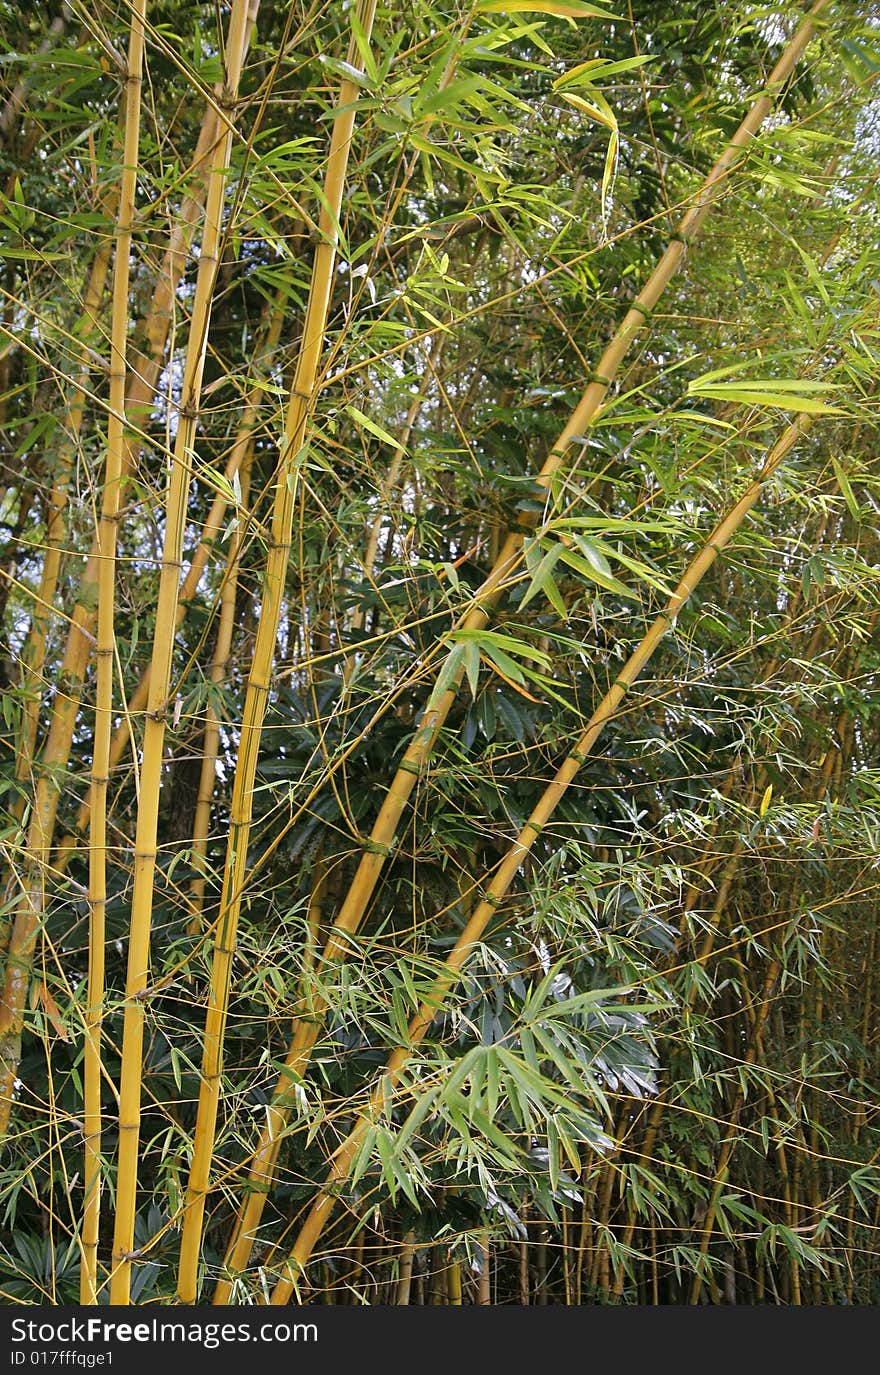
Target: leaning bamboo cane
[302,397]
[146,367]
[385,827]
[131,1070]
[88,1288]
[510,865]
[379,844]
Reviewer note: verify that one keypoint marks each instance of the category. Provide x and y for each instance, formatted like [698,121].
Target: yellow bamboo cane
[510,865]
[301,400]
[161,664]
[385,827]
[88,1288]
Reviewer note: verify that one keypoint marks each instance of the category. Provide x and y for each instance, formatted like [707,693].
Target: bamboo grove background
[439,806]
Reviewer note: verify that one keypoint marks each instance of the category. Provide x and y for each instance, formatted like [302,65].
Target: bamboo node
[407,766]
[600,379]
[645,311]
[375,847]
[492,899]
[680,237]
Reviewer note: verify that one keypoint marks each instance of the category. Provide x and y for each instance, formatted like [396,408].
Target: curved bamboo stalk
[146,367]
[88,1288]
[381,838]
[302,398]
[161,666]
[518,851]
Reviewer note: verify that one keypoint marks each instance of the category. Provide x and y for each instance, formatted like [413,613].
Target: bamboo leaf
[373,427]
[565,9]
[845,486]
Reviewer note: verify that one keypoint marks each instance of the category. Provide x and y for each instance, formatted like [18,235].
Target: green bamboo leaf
[843,483]
[472,666]
[374,428]
[564,9]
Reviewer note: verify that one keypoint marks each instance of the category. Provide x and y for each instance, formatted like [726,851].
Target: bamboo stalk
[160,675]
[379,844]
[302,397]
[33,655]
[484,1279]
[505,872]
[88,1289]
[407,1256]
[453,1283]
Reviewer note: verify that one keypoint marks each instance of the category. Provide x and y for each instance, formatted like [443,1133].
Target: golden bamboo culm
[104,653]
[137,977]
[378,846]
[299,407]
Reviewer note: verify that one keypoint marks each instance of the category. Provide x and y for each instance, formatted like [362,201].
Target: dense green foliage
[660,1060]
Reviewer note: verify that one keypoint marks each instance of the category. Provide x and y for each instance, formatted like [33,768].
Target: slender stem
[88,1290]
[144,374]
